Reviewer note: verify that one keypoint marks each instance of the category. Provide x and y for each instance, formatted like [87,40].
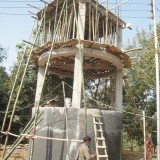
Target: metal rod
[157,78]
[47,3]
[32,13]
[30,43]
[34,7]
[118,4]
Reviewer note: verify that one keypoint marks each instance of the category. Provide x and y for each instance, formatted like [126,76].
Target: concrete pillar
[77,83]
[119,85]
[40,80]
[119,40]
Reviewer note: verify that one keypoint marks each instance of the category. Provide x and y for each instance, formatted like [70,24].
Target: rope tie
[6,133]
[31,137]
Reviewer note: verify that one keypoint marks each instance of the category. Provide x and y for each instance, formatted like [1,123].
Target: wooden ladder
[101,149]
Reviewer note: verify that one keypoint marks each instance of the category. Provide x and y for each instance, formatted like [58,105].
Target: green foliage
[141,79]
[3,53]
[4,86]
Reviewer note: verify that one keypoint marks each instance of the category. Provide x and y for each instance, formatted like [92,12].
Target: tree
[141,79]
[4,85]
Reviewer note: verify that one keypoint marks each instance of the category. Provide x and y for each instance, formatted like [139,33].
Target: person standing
[84,150]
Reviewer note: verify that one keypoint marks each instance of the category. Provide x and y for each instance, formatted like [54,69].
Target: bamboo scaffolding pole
[14,83]
[106,37]
[66,118]
[66,22]
[93,28]
[54,139]
[45,73]
[44,26]
[63,27]
[43,137]
[117,27]
[96,21]
[49,29]
[98,28]
[27,129]
[20,87]
[103,30]
[89,22]
[69,26]
[74,23]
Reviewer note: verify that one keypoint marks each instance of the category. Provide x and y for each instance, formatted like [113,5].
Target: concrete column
[77,83]
[81,20]
[119,85]
[119,40]
[40,80]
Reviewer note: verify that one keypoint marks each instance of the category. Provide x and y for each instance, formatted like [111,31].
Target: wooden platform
[93,66]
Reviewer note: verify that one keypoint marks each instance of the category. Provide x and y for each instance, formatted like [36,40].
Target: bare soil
[21,154]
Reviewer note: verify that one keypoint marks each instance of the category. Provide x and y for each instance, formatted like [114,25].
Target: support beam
[119,83]
[40,80]
[77,83]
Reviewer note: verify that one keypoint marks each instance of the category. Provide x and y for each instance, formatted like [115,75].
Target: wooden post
[77,83]
[119,90]
[144,134]
[40,80]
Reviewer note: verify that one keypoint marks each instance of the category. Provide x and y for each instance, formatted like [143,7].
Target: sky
[16,22]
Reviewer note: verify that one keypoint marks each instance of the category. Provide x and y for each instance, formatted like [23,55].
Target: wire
[41,8]
[15,14]
[135,17]
[16,7]
[18,1]
[157,9]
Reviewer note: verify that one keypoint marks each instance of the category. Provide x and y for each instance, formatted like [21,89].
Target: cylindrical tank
[59,123]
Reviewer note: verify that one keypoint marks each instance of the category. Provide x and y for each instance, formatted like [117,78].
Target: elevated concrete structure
[80,38]
[54,126]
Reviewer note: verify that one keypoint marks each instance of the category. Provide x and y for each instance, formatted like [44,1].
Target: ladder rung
[99,131]
[100,138]
[103,156]
[97,115]
[101,147]
[98,123]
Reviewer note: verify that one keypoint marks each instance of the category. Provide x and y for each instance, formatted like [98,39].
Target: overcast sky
[16,22]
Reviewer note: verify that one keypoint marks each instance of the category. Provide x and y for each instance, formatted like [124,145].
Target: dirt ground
[21,154]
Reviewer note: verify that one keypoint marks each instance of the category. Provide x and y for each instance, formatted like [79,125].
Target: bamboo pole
[45,73]
[89,22]
[93,24]
[20,87]
[27,129]
[66,117]
[106,37]
[74,23]
[16,77]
